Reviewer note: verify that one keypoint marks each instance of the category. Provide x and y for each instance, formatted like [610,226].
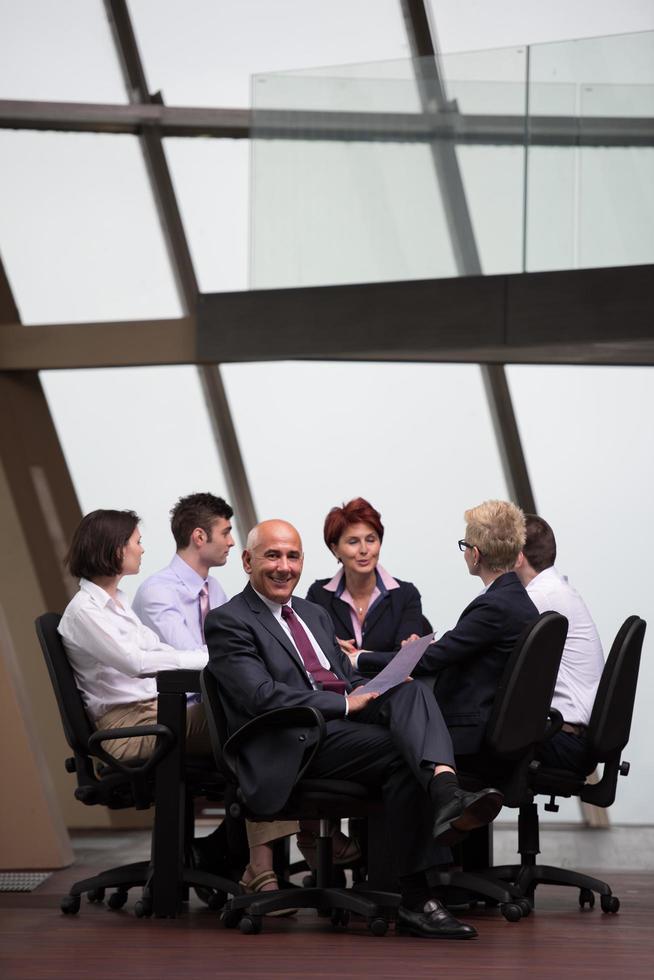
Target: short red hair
[357,511]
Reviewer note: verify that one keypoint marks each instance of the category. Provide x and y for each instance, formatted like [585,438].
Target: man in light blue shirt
[174,601]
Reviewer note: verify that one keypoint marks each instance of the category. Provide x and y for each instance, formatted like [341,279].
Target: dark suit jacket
[396,615]
[468,661]
[258,669]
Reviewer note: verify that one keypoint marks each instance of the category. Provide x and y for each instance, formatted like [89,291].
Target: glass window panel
[588,442]
[139,438]
[203,53]
[383,431]
[81,239]
[339,213]
[336,212]
[211,180]
[616,206]
[61,52]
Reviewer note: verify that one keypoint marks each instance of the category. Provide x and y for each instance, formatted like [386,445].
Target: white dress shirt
[276,610]
[169,603]
[113,655]
[583,660]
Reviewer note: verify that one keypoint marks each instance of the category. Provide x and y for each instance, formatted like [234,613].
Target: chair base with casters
[120,784]
[312,799]
[606,737]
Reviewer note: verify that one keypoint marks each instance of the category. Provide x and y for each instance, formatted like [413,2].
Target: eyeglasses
[463,544]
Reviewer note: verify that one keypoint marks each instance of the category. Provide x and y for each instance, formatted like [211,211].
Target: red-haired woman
[369,608]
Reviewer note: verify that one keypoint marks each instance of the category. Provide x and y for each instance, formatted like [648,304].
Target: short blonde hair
[498,530]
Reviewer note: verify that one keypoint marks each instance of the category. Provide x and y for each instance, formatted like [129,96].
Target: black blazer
[396,615]
[467,662]
[258,669]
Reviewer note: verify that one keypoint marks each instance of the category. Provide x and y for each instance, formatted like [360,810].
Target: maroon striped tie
[326,679]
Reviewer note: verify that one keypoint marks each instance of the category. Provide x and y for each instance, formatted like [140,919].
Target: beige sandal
[256,885]
[345,855]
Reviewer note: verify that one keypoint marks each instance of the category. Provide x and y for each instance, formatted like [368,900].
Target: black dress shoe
[432,922]
[465,812]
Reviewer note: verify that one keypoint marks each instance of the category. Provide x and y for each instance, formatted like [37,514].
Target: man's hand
[357,702]
[414,636]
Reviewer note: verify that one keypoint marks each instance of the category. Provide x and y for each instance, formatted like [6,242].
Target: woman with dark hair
[369,608]
[115,658]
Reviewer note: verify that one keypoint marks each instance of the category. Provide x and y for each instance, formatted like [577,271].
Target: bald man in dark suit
[269,649]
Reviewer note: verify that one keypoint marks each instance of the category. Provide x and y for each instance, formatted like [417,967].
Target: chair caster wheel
[511,911]
[525,906]
[70,904]
[250,925]
[339,917]
[378,926]
[217,901]
[586,897]
[231,918]
[95,895]
[117,900]
[609,903]
[143,908]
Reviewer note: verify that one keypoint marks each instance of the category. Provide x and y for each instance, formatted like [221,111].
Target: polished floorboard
[557,940]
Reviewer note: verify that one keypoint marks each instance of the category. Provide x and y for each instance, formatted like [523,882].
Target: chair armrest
[554,722]
[279,718]
[165,741]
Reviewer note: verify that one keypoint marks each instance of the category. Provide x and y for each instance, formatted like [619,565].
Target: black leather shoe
[432,922]
[465,812]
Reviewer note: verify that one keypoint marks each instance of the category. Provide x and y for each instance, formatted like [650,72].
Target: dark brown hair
[540,546]
[98,542]
[357,511]
[196,510]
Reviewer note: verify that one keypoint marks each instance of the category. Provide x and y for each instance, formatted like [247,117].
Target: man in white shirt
[582,661]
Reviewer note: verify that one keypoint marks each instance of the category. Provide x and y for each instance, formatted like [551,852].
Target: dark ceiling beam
[582,316]
[215,396]
[83,345]
[533,315]
[499,130]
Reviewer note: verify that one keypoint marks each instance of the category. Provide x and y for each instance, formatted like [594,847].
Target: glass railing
[534,158]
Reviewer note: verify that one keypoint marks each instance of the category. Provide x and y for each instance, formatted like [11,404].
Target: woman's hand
[414,636]
[348,647]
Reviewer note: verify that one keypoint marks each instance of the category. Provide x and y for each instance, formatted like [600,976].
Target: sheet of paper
[399,668]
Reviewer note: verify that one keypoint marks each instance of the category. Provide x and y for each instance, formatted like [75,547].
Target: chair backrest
[610,720]
[77,727]
[519,716]
[216,721]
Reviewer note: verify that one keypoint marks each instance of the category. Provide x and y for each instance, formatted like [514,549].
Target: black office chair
[517,723]
[324,800]
[102,779]
[607,736]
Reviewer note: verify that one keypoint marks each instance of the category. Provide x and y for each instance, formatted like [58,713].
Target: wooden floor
[557,940]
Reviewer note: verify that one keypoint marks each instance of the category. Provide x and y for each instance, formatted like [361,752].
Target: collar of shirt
[103,598]
[385,581]
[274,607]
[187,575]
[549,576]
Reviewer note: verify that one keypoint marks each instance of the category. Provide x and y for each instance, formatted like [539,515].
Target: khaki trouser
[197,744]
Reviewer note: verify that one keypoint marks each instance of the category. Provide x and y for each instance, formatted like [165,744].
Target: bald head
[273,559]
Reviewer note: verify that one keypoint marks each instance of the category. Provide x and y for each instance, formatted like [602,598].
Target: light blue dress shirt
[169,603]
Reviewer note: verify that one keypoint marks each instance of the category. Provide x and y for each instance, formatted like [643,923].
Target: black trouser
[565,750]
[393,744]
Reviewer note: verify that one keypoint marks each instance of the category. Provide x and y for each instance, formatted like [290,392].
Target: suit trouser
[393,744]
[198,743]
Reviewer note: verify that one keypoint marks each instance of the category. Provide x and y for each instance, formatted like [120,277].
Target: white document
[399,668]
